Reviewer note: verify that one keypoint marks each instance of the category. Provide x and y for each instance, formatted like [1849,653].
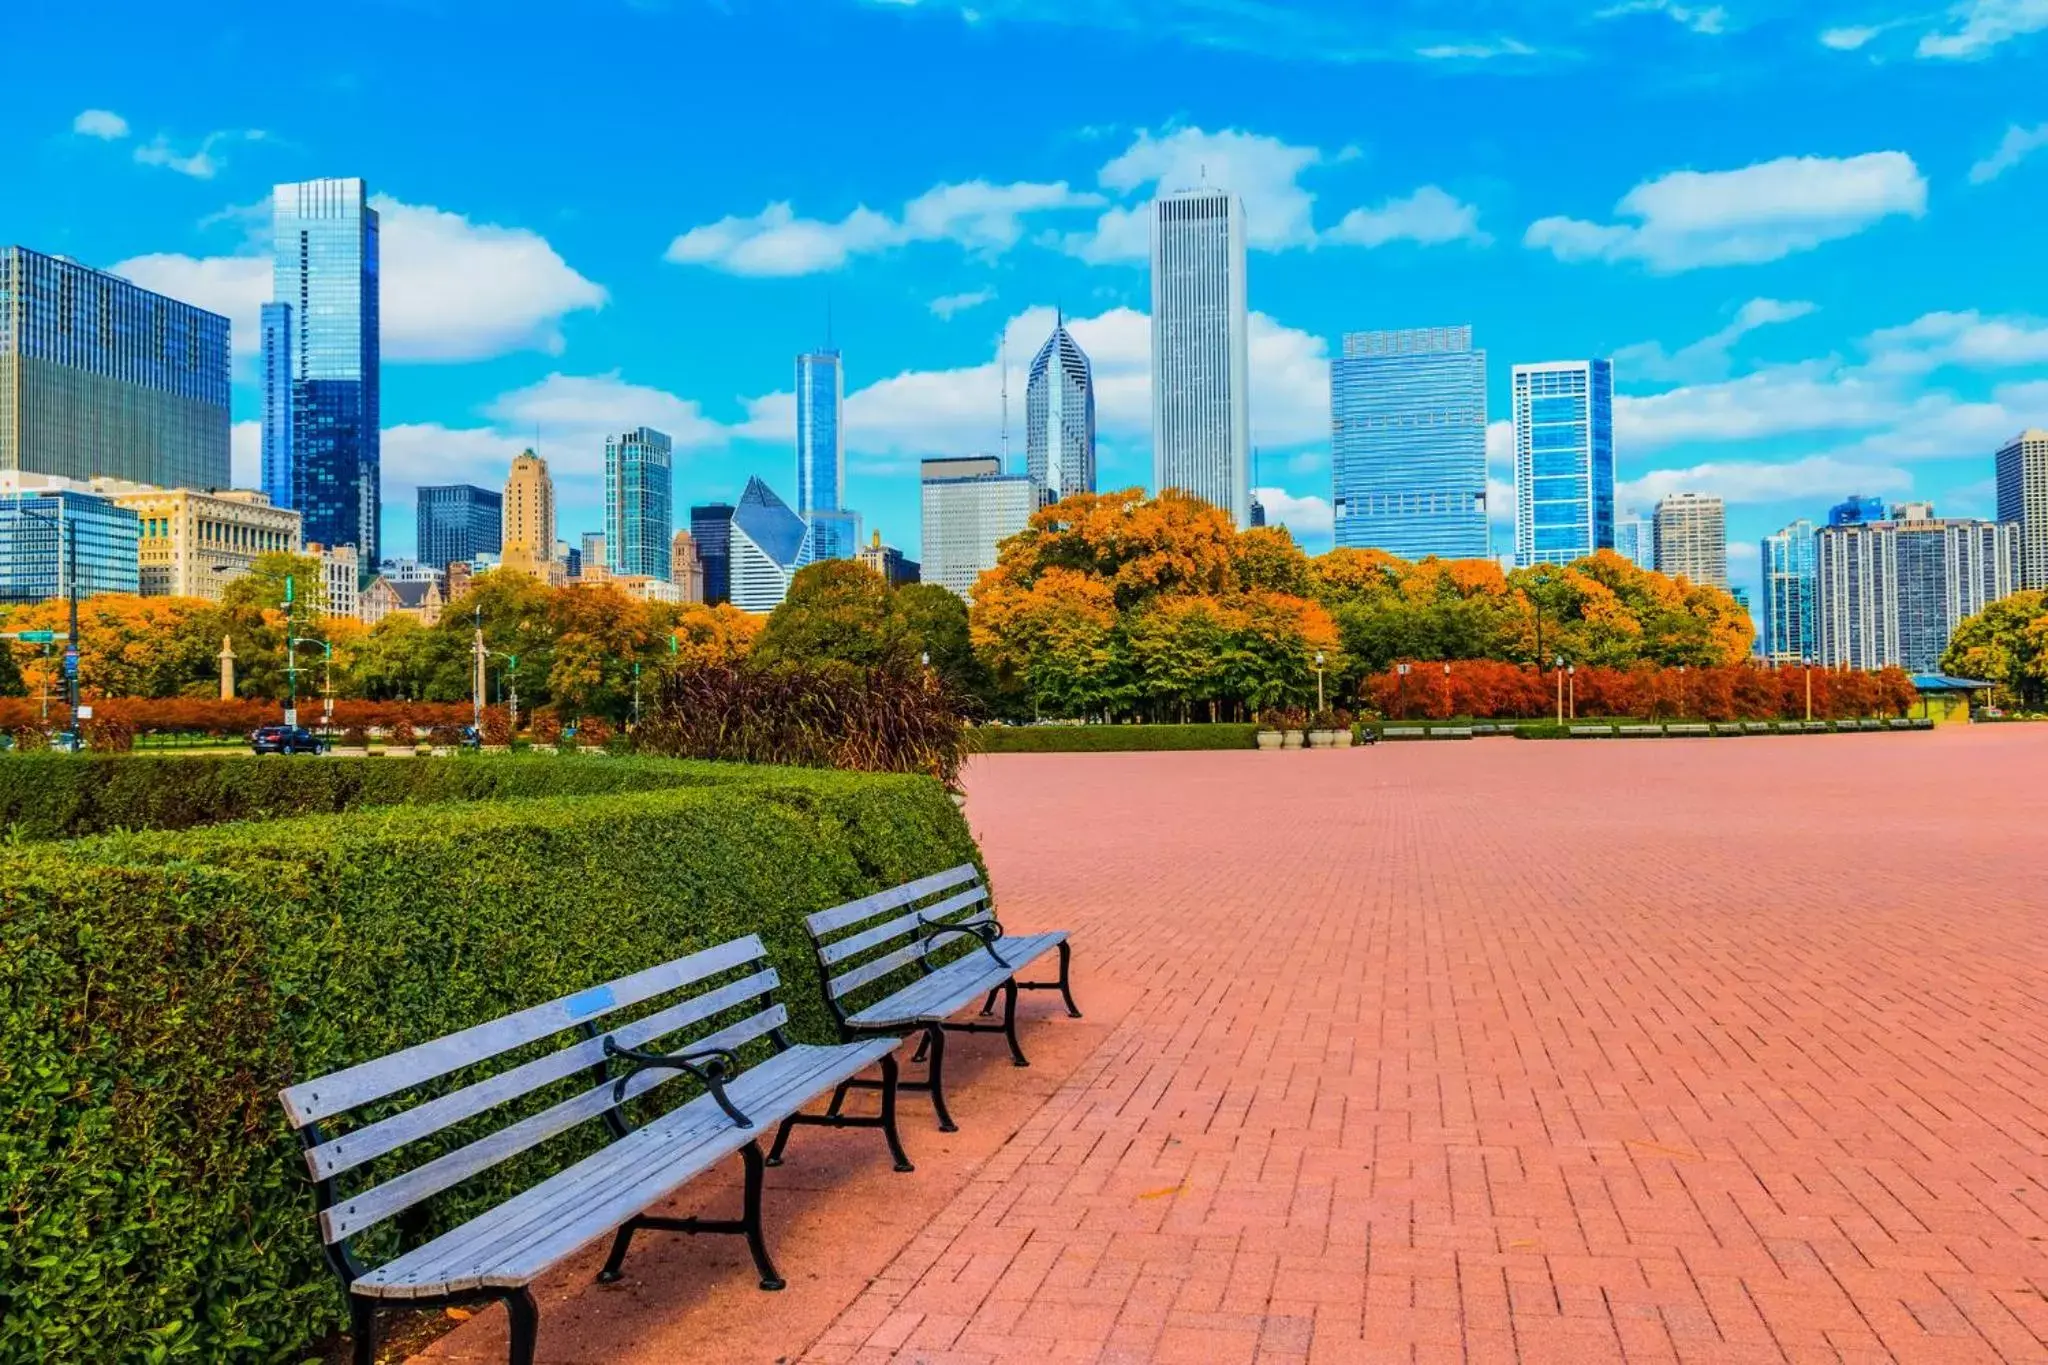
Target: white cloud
[1689,219]
[1966,339]
[1977,26]
[1482,51]
[1709,357]
[452,289]
[1704,19]
[104,124]
[949,306]
[1430,216]
[245,454]
[579,411]
[977,215]
[1850,39]
[1309,518]
[1754,481]
[1263,172]
[2017,145]
[202,162]
[1777,400]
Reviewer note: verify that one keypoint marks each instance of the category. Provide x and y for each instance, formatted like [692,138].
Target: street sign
[36,637]
[71,661]
[85,713]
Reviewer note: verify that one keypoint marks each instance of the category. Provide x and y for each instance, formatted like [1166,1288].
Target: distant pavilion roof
[1941,682]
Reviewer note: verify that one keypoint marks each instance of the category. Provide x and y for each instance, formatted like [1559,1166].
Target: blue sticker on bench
[594,1001]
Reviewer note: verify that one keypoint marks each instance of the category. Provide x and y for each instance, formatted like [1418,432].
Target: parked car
[285,739]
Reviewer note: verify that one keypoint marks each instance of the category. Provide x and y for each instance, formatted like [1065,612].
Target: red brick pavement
[1652,1051]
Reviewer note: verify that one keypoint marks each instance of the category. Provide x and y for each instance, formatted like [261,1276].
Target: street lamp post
[1558,668]
[512,660]
[1807,664]
[1319,680]
[1404,691]
[1571,678]
[1447,691]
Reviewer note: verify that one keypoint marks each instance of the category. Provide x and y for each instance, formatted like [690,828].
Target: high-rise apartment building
[1635,540]
[1564,460]
[1201,385]
[1059,418]
[341,579]
[1408,443]
[1691,530]
[711,529]
[686,568]
[194,544]
[527,538]
[593,554]
[321,374]
[1791,588]
[1891,593]
[458,522]
[2023,499]
[970,508]
[101,378]
[50,524]
[637,517]
[1856,510]
[821,455]
[766,544]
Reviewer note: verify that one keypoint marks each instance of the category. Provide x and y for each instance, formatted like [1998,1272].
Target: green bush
[61,796]
[159,989]
[1543,730]
[1099,739]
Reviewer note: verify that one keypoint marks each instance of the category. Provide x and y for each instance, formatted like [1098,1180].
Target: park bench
[880,937]
[722,998]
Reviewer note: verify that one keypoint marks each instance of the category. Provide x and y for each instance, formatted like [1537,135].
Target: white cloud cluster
[202,162]
[1309,518]
[949,306]
[1710,357]
[1710,20]
[103,124]
[2016,146]
[1977,26]
[1690,219]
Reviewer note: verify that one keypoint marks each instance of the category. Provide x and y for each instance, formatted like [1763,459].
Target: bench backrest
[718,998]
[863,941]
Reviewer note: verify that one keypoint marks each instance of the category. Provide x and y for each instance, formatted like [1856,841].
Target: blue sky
[1810,234]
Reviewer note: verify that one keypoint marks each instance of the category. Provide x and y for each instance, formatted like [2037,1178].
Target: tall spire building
[1201,410]
[1059,418]
[821,455]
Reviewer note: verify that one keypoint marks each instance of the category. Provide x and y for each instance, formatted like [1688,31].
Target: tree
[838,609]
[11,682]
[1136,546]
[2006,644]
[1054,641]
[937,620]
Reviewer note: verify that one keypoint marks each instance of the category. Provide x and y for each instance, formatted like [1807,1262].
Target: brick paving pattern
[1656,1051]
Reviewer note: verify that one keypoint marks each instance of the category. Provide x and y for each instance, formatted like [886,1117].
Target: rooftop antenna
[828,317]
[1003,360]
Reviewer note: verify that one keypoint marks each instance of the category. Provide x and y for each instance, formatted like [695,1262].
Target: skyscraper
[766,544]
[1692,538]
[1891,593]
[528,540]
[1564,460]
[275,329]
[1635,540]
[1791,587]
[637,488]
[1408,443]
[49,522]
[1201,411]
[592,553]
[1856,510]
[1059,418]
[711,528]
[326,273]
[2023,498]
[821,455]
[101,378]
[686,567]
[970,508]
[457,522]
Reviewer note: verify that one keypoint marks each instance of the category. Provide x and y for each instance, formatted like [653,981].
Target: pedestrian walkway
[1727,1050]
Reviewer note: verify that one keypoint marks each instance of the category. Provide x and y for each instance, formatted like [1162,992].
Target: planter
[1292,739]
[1269,739]
[1342,739]
[1322,739]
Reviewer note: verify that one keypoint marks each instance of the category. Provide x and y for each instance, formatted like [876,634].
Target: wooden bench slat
[957,983]
[350,1150]
[876,970]
[359,1085]
[897,928]
[825,921]
[374,1205]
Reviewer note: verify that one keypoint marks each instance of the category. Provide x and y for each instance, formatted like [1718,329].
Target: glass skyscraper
[638,522]
[1201,410]
[457,522]
[38,520]
[821,455]
[100,377]
[1791,586]
[1856,511]
[1059,418]
[1408,443]
[711,529]
[766,544]
[322,441]
[1564,460]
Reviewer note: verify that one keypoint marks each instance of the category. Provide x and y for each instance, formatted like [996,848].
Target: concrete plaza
[1721,1050]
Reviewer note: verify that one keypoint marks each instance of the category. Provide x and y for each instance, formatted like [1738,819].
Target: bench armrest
[713,1066]
[986,933]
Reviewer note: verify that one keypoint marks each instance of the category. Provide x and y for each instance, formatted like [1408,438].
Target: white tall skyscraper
[970,508]
[1201,410]
[1059,408]
[1691,531]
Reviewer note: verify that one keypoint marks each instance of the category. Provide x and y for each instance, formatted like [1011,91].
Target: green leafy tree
[936,619]
[839,609]
[2006,644]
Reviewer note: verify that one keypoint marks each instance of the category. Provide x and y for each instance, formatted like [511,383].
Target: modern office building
[341,578]
[1059,418]
[637,517]
[458,522]
[1856,510]
[891,563]
[686,568]
[45,521]
[821,455]
[1691,531]
[1564,460]
[1258,512]
[1891,593]
[592,553]
[1201,385]
[970,508]
[323,442]
[766,544]
[1408,443]
[1791,588]
[194,544]
[711,529]
[1635,540]
[527,526]
[2023,500]
[101,378]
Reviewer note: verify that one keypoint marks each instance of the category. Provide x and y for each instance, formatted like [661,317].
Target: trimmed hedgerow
[63,796]
[159,989]
[1097,739]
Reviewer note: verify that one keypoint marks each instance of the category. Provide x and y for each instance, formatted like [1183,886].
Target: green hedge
[158,989]
[1098,739]
[60,796]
